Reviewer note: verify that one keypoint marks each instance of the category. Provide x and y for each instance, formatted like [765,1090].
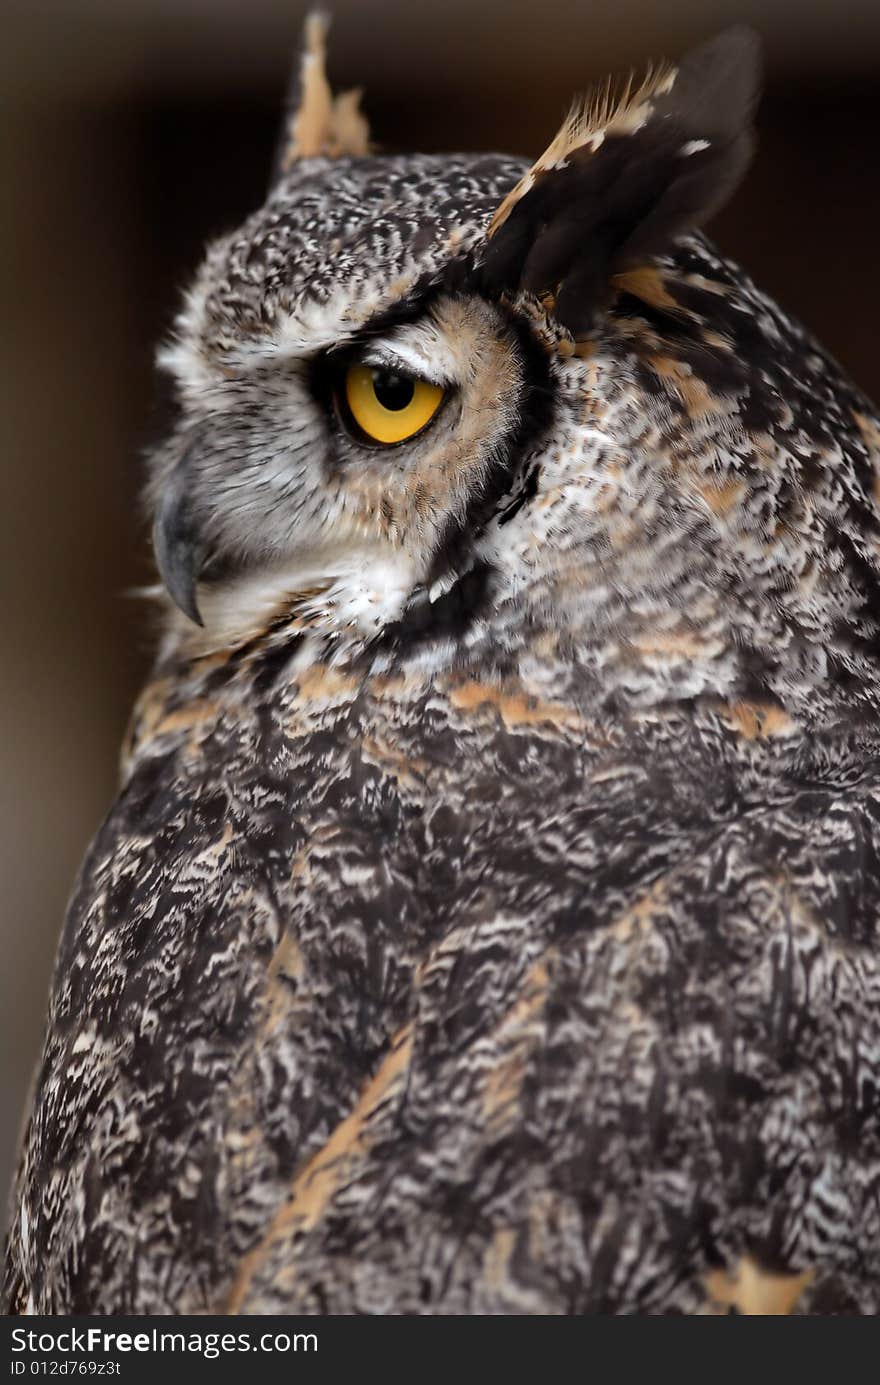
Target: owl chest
[353,827]
[293,897]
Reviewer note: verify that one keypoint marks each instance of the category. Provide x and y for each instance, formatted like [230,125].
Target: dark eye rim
[329,387]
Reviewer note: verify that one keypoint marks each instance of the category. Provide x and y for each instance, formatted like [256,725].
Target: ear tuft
[319,124]
[608,110]
[624,177]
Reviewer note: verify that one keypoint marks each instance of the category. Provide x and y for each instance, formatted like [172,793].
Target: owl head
[465,406]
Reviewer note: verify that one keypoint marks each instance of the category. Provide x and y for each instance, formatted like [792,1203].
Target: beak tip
[176,549]
[191,610]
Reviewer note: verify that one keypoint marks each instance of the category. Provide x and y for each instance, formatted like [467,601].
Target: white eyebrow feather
[418,349]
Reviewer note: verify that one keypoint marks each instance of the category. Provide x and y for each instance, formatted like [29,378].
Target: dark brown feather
[602,210]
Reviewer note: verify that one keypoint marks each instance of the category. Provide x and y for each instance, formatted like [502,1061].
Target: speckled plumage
[487,921]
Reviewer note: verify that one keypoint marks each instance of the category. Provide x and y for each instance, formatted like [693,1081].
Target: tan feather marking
[546,645]
[213,853]
[699,281]
[146,714]
[455,239]
[640,917]
[609,110]
[584,350]
[317,1181]
[192,717]
[322,124]
[397,687]
[351,130]
[716,340]
[694,393]
[288,964]
[515,708]
[646,284]
[756,1292]
[301,869]
[321,683]
[721,496]
[406,772]
[870,431]
[516,1034]
[757,721]
[496,1260]
[503,1279]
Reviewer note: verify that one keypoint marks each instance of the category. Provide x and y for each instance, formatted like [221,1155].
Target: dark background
[134,130]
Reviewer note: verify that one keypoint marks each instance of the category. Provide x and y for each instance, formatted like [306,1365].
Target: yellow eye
[389,407]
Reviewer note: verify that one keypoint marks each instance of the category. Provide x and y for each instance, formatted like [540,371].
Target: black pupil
[393,391]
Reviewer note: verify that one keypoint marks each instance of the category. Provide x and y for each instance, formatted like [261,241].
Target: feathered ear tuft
[317,123]
[625,176]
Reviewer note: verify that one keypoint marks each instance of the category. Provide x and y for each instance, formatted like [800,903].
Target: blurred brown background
[133,130]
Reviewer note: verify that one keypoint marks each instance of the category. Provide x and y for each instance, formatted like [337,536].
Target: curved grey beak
[179,556]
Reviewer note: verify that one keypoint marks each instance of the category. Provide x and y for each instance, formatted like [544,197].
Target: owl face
[348,409]
[521,413]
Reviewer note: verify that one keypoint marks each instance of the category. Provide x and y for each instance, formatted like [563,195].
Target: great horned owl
[487,921]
